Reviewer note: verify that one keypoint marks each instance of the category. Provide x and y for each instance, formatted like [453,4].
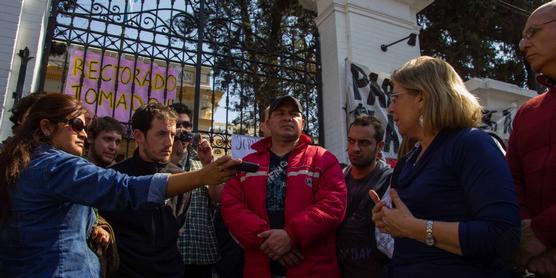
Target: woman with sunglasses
[47,192]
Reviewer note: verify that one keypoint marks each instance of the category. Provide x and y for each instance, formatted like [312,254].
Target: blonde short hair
[447,103]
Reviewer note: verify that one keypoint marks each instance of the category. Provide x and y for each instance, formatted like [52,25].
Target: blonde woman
[454,207]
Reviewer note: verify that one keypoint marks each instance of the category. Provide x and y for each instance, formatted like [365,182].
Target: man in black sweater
[146,239]
[358,255]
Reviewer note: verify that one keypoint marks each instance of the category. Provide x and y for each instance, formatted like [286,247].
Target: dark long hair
[17,151]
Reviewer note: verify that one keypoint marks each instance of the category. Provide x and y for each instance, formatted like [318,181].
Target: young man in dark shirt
[197,238]
[147,239]
[358,255]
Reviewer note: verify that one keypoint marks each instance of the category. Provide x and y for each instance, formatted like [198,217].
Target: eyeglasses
[394,97]
[184,124]
[531,31]
[76,124]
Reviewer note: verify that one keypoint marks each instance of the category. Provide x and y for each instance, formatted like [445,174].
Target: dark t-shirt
[275,196]
[354,238]
[356,247]
[356,185]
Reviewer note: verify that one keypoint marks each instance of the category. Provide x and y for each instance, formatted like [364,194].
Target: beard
[100,159]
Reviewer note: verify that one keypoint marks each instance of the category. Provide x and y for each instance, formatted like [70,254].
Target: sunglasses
[76,124]
[184,124]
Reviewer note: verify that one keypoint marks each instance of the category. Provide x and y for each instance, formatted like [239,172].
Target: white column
[9,22]
[27,19]
[354,30]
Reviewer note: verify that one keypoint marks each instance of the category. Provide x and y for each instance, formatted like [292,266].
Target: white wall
[28,18]
[355,29]
[498,96]
[9,20]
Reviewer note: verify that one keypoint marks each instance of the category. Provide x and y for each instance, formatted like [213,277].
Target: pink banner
[110,84]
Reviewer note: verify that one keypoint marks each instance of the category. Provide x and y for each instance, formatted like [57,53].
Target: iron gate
[221,58]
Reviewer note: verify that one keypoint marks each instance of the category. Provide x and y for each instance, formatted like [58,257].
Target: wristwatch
[429,239]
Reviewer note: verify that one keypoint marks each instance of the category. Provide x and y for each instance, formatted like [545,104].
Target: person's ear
[46,127]
[380,146]
[139,136]
[420,101]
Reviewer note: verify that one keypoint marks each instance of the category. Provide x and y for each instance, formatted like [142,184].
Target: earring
[421,120]
[47,133]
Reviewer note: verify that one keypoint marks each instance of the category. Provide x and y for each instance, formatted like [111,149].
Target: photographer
[197,237]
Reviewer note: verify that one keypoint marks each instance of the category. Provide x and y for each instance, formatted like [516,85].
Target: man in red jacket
[285,215]
[532,147]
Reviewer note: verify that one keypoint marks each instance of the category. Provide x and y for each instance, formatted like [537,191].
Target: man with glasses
[197,237]
[147,239]
[532,147]
[180,155]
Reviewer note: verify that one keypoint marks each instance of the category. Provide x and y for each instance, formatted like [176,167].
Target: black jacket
[146,239]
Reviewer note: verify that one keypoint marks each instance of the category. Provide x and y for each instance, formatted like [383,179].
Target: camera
[189,137]
[184,136]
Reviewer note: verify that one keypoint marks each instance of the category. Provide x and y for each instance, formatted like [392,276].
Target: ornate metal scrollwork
[209,36]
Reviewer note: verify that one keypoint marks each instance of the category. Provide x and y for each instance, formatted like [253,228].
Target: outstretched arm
[214,173]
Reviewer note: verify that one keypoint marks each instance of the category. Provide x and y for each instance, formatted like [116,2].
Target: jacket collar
[147,167]
[547,81]
[265,143]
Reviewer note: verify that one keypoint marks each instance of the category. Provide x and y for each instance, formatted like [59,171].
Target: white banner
[368,93]
[241,145]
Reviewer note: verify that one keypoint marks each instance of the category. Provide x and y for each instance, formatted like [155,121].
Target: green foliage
[259,50]
[479,38]
[272,51]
